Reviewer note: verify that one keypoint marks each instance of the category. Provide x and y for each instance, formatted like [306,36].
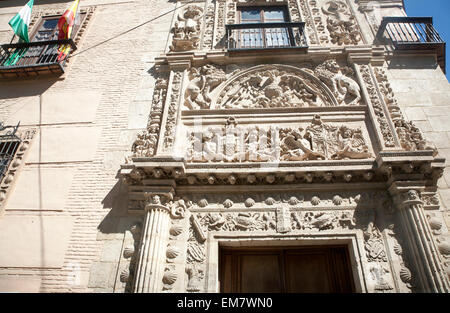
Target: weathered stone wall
[423,93]
[65,216]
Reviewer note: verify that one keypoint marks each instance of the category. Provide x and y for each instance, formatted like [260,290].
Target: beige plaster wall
[67,192]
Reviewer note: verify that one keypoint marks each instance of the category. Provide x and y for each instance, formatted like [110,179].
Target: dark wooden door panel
[308,272]
[251,267]
[294,270]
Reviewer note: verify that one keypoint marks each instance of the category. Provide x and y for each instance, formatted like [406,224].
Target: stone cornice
[359,54]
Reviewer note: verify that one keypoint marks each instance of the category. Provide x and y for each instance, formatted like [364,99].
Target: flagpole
[13,38]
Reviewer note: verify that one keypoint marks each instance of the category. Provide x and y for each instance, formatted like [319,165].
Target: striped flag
[21,21]
[65,26]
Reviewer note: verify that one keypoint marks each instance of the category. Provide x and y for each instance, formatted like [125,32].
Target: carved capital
[409,198]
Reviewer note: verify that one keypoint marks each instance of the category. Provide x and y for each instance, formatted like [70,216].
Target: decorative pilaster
[430,273]
[150,265]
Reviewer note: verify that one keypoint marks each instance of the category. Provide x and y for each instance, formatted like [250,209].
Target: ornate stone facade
[276,146]
[318,122]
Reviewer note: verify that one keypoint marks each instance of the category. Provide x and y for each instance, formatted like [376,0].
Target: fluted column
[422,248]
[150,265]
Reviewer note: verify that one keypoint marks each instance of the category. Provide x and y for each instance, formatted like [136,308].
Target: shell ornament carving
[169,277]
[128,252]
[337,200]
[249,202]
[294,201]
[172,252]
[203,203]
[405,275]
[228,203]
[315,200]
[175,230]
[444,248]
[124,275]
[270,201]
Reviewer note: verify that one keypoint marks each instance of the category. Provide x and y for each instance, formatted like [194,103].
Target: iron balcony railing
[412,33]
[9,142]
[33,58]
[265,36]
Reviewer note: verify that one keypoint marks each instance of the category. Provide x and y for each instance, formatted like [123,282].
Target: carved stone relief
[411,138]
[128,259]
[272,86]
[318,141]
[172,112]
[147,141]
[208,34]
[377,107]
[187,29]
[203,80]
[341,23]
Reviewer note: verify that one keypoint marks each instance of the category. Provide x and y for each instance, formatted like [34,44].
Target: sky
[439,10]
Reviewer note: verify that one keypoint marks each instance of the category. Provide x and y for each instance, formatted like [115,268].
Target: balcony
[412,33]
[33,59]
[263,36]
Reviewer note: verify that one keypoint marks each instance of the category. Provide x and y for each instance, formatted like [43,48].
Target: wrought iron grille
[265,36]
[9,143]
[33,58]
[413,33]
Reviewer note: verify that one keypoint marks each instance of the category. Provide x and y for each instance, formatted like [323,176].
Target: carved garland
[147,141]
[171,121]
[377,107]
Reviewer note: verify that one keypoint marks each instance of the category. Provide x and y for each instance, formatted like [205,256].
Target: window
[9,143]
[47,28]
[263,37]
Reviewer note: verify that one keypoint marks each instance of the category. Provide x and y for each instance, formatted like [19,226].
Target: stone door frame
[353,241]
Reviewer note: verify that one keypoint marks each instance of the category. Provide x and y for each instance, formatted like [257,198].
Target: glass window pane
[50,24]
[250,14]
[274,14]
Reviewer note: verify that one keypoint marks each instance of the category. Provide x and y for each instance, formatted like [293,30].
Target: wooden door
[286,270]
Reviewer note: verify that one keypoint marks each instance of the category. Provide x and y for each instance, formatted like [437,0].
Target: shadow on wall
[413,63]
[10,89]
[117,220]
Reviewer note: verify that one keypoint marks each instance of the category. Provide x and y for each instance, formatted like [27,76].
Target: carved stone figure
[341,23]
[186,32]
[202,81]
[294,147]
[195,277]
[351,145]
[374,244]
[319,141]
[345,89]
